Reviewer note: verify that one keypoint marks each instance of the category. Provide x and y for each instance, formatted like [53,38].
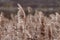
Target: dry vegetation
[30,27]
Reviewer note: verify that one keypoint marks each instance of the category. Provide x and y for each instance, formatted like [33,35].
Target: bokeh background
[10,6]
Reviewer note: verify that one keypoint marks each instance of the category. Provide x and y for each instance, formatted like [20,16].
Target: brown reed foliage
[31,27]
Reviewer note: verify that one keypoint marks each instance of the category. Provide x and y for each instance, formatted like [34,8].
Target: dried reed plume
[31,27]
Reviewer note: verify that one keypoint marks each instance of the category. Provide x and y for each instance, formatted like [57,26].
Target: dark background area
[10,6]
[33,3]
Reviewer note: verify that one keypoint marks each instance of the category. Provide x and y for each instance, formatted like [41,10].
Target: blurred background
[44,5]
[33,3]
[12,4]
